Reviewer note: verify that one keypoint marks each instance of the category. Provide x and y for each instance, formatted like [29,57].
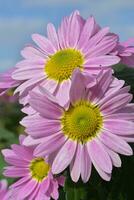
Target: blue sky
[20,18]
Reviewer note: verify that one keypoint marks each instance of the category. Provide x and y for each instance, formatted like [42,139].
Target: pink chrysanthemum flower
[78,43]
[3,190]
[92,128]
[36,179]
[126,52]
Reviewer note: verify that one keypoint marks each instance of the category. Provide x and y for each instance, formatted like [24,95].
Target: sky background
[20,18]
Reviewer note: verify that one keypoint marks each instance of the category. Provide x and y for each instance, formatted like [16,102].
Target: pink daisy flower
[126,52]
[36,179]
[92,128]
[78,43]
[3,190]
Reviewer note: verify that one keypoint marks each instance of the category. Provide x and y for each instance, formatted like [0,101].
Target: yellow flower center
[39,169]
[61,65]
[82,122]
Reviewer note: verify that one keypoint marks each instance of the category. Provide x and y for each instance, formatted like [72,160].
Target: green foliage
[126,74]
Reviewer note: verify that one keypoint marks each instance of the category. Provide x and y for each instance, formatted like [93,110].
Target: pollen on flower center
[82,122]
[39,169]
[60,66]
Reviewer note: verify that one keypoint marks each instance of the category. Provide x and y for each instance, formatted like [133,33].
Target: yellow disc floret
[82,122]
[39,169]
[61,65]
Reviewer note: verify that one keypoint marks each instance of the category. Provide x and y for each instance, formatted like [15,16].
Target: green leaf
[125,73]
[75,191]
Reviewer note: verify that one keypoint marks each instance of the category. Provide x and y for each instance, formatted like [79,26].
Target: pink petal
[52,35]
[44,106]
[75,167]
[44,43]
[119,126]
[77,90]
[50,144]
[86,32]
[114,157]
[64,157]
[98,155]
[115,143]
[15,172]
[73,30]
[30,52]
[86,165]
[27,189]
[102,61]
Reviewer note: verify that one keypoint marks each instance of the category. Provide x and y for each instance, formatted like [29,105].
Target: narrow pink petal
[23,152]
[105,46]
[27,189]
[102,61]
[55,193]
[26,73]
[99,155]
[116,103]
[86,165]
[75,167]
[50,144]
[119,126]
[103,174]
[44,43]
[15,172]
[29,141]
[52,35]
[64,157]
[62,33]
[114,157]
[44,129]
[86,32]
[30,52]
[45,185]
[62,94]
[123,116]
[77,78]
[61,180]
[30,83]
[20,182]
[104,80]
[115,143]
[98,37]
[45,107]
[73,30]
[34,193]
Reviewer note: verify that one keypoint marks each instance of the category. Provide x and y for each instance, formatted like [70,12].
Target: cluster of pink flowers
[78,114]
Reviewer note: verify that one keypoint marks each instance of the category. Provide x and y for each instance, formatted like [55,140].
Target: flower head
[36,179]
[92,128]
[78,43]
